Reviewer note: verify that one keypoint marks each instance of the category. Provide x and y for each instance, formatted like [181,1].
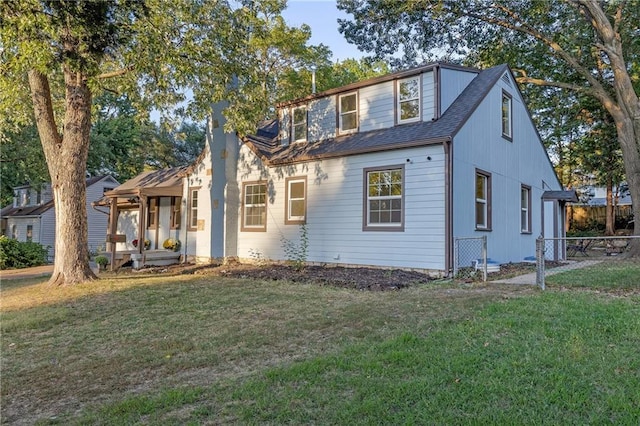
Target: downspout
[436,82]
[448,205]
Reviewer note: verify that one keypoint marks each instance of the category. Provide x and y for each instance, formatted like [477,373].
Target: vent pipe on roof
[313,79]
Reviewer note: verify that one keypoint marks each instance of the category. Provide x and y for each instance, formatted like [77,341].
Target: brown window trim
[176,213]
[396,100]
[339,113]
[263,228]
[489,202]
[506,94]
[190,227]
[529,216]
[287,221]
[365,205]
[153,201]
[306,125]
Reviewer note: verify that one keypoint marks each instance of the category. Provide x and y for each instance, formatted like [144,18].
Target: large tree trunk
[67,161]
[610,219]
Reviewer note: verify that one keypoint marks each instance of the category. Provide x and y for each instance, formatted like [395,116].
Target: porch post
[142,211]
[113,228]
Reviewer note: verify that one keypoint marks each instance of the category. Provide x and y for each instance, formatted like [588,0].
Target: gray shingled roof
[10,211]
[266,144]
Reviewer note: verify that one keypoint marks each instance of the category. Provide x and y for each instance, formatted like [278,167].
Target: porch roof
[156,183]
[568,195]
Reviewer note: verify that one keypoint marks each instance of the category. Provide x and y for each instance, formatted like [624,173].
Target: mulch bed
[357,278]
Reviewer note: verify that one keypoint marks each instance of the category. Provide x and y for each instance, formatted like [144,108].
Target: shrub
[101,261]
[17,254]
[171,244]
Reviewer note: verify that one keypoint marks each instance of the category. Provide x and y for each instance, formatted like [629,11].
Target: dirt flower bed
[358,278]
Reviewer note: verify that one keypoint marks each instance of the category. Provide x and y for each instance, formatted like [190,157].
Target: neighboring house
[32,217]
[597,196]
[386,172]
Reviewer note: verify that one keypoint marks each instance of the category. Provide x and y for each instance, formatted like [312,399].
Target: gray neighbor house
[31,216]
[385,172]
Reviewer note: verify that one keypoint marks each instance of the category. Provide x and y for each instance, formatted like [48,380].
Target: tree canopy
[58,55]
[582,46]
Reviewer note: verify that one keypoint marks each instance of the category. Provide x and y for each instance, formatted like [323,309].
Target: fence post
[484,258]
[540,262]
[455,257]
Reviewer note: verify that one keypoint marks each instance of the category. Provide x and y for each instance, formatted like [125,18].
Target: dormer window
[348,115]
[299,124]
[408,100]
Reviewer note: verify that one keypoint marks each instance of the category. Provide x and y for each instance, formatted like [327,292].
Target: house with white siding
[31,216]
[386,172]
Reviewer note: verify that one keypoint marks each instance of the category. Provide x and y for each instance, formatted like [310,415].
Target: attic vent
[506,79]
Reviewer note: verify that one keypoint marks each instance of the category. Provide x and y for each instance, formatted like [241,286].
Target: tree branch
[116,73]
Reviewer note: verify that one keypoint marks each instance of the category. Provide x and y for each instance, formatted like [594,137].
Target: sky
[322,16]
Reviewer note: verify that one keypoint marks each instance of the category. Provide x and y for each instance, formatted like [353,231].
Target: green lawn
[608,275]
[205,350]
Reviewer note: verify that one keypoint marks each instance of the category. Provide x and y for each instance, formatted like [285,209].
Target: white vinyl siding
[375,105]
[335,205]
[479,144]
[322,119]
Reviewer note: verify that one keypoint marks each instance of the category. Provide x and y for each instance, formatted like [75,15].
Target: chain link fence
[470,258]
[556,255]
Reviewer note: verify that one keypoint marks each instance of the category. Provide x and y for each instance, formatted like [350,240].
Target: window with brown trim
[348,113]
[408,107]
[483,200]
[254,206]
[193,209]
[296,201]
[299,124]
[176,211]
[525,209]
[507,124]
[152,213]
[383,199]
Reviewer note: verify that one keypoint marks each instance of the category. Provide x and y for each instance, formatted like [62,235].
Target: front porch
[144,216]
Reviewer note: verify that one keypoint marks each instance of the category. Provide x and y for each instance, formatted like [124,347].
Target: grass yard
[210,350]
[608,275]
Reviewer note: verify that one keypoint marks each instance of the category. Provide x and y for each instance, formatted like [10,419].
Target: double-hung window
[525,209]
[193,209]
[176,204]
[29,233]
[254,206]
[483,200]
[507,127]
[408,108]
[296,196]
[384,199]
[348,116]
[299,124]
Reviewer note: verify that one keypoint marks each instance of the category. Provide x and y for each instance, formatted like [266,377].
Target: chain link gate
[470,257]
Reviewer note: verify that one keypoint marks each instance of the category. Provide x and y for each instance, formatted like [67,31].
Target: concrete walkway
[530,279]
[18,274]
